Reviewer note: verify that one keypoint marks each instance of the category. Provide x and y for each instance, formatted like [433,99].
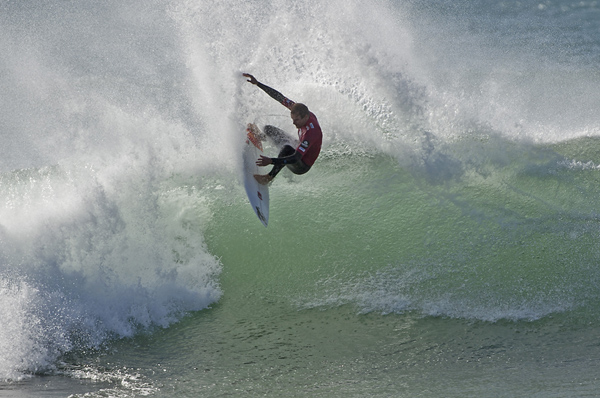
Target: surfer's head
[300,115]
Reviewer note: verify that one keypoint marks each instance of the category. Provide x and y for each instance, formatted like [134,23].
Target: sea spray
[452,183]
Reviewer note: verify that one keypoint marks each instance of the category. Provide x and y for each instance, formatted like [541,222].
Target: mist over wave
[122,127]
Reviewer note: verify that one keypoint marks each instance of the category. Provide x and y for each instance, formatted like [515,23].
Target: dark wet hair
[300,109]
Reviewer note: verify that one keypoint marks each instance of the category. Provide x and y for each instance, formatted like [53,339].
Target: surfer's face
[299,121]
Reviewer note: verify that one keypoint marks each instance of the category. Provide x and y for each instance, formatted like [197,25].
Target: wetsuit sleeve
[287,159]
[276,95]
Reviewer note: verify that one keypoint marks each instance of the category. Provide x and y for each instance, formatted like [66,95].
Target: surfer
[298,159]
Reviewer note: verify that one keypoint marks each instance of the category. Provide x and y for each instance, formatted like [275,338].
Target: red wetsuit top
[310,135]
[311,138]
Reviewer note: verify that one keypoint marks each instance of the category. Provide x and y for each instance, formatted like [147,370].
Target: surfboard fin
[255,135]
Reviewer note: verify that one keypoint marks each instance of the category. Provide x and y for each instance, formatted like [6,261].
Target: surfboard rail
[258,194]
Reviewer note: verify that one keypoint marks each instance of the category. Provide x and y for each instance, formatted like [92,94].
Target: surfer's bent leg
[285,151]
[298,167]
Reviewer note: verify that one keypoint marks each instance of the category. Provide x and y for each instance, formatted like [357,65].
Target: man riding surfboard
[298,159]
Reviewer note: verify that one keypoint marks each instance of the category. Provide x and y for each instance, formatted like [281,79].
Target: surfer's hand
[263,161]
[251,78]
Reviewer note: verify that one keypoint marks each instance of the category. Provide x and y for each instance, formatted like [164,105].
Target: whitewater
[444,244]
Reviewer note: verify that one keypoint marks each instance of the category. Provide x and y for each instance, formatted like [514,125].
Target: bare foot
[263,179]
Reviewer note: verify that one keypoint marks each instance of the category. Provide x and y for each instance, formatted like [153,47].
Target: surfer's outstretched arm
[276,95]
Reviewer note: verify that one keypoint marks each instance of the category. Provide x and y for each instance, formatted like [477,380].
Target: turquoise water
[445,244]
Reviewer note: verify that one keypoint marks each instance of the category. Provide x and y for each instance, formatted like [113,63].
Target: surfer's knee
[298,168]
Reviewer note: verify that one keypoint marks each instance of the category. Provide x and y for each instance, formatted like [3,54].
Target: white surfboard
[258,194]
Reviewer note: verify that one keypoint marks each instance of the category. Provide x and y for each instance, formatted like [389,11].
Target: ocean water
[445,244]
